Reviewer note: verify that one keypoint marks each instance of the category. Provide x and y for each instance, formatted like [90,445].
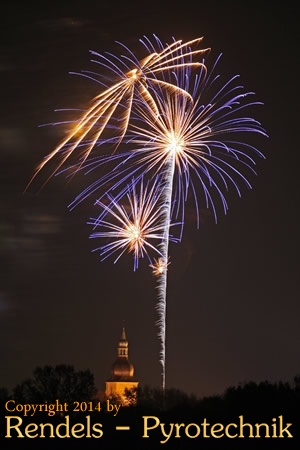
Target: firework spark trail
[134,79]
[172,127]
[162,286]
[203,147]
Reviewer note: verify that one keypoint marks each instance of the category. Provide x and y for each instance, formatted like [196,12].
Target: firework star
[131,226]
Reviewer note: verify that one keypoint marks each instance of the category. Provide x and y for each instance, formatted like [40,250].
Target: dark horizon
[292,384]
[233,287]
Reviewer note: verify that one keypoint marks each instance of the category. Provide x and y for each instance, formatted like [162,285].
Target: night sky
[233,288]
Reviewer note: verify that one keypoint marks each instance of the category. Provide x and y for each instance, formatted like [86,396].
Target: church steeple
[121,373]
[122,369]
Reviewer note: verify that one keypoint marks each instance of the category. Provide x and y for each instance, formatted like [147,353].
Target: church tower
[122,372]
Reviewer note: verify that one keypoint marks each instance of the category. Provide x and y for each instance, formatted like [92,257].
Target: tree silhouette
[61,382]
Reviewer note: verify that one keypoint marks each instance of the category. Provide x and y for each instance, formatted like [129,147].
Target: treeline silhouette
[273,404]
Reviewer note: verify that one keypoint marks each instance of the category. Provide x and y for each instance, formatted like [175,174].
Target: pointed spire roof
[123,337]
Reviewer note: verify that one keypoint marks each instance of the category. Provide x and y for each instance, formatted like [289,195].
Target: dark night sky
[233,288]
